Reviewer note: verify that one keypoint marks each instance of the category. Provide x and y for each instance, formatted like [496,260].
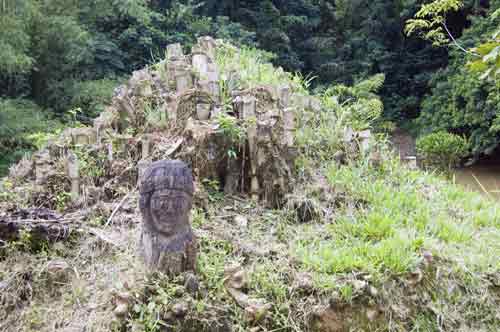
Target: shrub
[92,96]
[23,128]
[442,149]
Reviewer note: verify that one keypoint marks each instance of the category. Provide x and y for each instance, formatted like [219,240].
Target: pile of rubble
[241,139]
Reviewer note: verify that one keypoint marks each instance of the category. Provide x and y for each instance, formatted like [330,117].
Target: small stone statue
[166,196]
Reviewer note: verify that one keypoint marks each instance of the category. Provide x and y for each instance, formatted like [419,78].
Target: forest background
[60,60]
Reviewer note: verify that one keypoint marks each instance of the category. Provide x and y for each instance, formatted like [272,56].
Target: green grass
[400,214]
[252,68]
[364,255]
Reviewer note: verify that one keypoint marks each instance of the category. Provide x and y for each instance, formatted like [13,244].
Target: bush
[23,126]
[92,97]
[442,149]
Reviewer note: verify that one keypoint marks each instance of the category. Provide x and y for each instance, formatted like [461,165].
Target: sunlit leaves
[430,20]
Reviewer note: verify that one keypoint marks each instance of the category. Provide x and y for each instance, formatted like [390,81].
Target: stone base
[169,255]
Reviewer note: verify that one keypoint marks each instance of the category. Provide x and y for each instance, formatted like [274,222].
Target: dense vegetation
[66,57]
[387,248]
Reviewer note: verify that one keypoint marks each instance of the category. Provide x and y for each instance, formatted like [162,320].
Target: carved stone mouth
[172,243]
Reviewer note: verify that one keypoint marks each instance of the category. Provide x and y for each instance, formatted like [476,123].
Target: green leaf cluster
[442,149]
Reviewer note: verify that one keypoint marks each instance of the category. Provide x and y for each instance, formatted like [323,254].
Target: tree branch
[456,43]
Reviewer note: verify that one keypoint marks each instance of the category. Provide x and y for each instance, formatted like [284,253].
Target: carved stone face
[166,197]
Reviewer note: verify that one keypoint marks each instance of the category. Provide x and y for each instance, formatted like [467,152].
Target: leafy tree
[460,101]
[20,121]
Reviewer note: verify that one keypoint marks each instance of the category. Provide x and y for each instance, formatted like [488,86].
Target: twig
[42,221]
[243,169]
[481,185]
[456,43]
[101,236]
[118,207]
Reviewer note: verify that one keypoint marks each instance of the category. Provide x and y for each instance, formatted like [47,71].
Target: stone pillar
[285,95]
[43,166]
[248,108]
[200,64]
[74,175]
[174,51]
[411,162]
[110,152]
[167,242]
[203,111]
[183,79]
[142,165]
[288,127]
[364,140]
[145,145]
[171,108]
[314,104]
[207,44]
[213,84]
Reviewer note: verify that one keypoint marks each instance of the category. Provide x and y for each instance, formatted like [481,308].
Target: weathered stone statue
[166,195]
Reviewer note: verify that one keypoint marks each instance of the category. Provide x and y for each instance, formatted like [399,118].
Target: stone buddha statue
[166,191]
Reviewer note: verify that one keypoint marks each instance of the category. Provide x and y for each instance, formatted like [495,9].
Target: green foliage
[460,101]
[67,54]
[320,134]
[91,164]
[253,68]
[442,149]
[14,39]
[430,21]
[360,104]
[395,216]
[488,62]
[214,190]
[229,127]
[23,127]
[92,96]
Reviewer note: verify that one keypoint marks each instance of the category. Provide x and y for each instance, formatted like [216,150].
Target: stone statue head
[166,197]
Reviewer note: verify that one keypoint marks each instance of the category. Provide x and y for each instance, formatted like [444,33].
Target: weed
[61,200]
[91,164]
[198,218]
[214,190]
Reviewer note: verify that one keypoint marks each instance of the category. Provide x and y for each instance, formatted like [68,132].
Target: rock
[122,301]
[22,170]
[359,285]
[303,281]
[241,221]
[191,283]
[257,310]
[373,291]
[372,314]
[59,270]
[180,309]
[339,157]
[251,250]
[235,277]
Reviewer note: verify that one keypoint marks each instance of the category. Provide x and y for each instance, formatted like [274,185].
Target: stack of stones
[186,89]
